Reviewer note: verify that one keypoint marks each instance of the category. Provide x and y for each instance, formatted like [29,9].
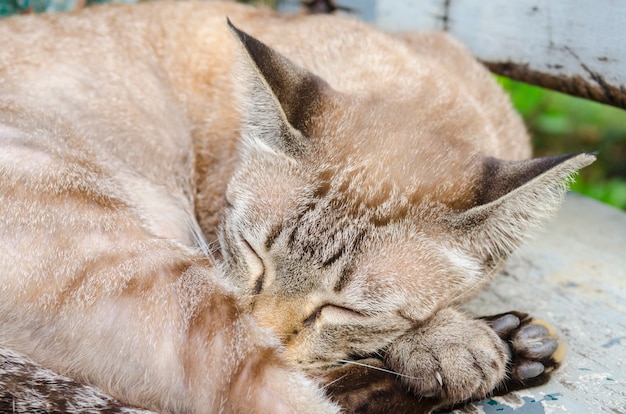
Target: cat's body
[361,206]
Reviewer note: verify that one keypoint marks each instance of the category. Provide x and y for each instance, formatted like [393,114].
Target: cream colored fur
[357,205]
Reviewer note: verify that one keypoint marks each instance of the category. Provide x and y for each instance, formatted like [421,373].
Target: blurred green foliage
[561,124]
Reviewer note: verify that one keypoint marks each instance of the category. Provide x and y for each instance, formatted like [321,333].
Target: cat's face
[332,280]
[334,250]
[342,234]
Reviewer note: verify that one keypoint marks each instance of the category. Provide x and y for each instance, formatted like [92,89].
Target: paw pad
[533,348]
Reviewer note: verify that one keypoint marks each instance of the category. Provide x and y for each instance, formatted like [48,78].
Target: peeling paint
[614,341]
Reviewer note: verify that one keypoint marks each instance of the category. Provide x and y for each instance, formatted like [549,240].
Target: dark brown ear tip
[582,159]
[565,157]
[240,34]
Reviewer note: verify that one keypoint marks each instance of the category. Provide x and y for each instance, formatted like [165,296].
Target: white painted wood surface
[556,37]
[576,46]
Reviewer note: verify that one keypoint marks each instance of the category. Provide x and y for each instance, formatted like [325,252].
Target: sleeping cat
[365,186]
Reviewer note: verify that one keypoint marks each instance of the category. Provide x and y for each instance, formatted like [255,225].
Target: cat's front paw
[533,347]
[452,358]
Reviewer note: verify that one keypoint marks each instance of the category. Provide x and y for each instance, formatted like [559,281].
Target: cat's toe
[505,324]
[534,342]
[534,348]
[526,370]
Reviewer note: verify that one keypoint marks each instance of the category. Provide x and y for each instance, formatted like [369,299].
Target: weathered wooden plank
[575,46]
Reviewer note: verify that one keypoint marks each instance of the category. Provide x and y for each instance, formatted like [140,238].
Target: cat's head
[342,234]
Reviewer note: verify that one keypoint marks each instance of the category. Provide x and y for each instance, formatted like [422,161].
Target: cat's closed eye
[333,314]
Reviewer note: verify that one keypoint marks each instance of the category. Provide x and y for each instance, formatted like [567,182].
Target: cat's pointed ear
[515,197]
[282,97]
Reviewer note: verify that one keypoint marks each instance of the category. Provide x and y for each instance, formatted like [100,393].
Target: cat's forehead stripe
[344,278]
[336,256]
[275,231]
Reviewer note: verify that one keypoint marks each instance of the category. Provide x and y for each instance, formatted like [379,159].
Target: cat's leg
[449,360]
[455,358]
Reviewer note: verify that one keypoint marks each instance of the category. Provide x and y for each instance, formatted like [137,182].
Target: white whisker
[379,369]
[213,247]
[198,237]
[333,381]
